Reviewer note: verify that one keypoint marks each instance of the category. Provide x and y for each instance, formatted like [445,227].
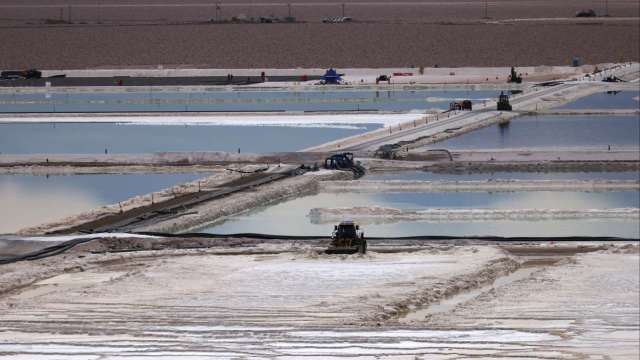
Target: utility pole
[342,9]
[218,12]
[69,14]
[486,9]
[289,9]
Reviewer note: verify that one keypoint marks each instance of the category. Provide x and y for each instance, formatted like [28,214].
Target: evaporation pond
[594,132]
[94,138]
[606,100]
[291,217]
[245,100]
[32,200]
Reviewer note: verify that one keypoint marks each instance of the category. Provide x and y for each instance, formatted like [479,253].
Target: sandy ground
[292,302]
[311,10]
[386,43]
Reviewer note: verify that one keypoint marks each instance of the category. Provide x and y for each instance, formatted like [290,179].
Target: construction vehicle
[503,102]
[514,77]
[386,78]
[586,13]
[347,238]
[344,161]
[464,105]
[21,74]
[331,77]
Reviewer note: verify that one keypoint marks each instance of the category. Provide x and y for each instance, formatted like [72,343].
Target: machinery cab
[339,161]
[503,102]
[347,238]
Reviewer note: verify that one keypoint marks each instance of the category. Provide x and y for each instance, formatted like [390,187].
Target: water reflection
[32,200]
[552,132]
[93,138]
[24,206]
[607,100]
[294,214]
[58,100]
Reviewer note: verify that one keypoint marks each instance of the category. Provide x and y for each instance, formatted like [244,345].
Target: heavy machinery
[386,78]
[514,77]
[344,161]
[21,74]
[347,238]
[586,13]
[464,105]
[503,102]
[331,77]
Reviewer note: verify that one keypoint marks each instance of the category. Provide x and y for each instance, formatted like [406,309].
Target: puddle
[32,200]
[143,100]
[552,132]
[449,304]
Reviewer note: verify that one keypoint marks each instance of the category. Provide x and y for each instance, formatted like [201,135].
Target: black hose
[67,245]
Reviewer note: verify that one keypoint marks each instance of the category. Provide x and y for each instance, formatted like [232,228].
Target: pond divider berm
[176,206]
[60,81]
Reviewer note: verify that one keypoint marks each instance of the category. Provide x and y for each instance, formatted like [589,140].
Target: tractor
[503,102]
[463,105]
[347,239]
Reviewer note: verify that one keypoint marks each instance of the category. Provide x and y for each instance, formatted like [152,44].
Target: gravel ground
[307,10]
[447,34]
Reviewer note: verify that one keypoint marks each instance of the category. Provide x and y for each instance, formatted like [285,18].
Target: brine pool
[596,132]
[95,138]
[606,100]
[292,217]
[147,99]
[32,200]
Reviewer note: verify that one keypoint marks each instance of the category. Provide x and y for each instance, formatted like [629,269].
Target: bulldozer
[503,102]
[347,238]
[344,161]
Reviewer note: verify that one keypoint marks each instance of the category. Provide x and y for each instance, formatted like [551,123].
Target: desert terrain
[88,34]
